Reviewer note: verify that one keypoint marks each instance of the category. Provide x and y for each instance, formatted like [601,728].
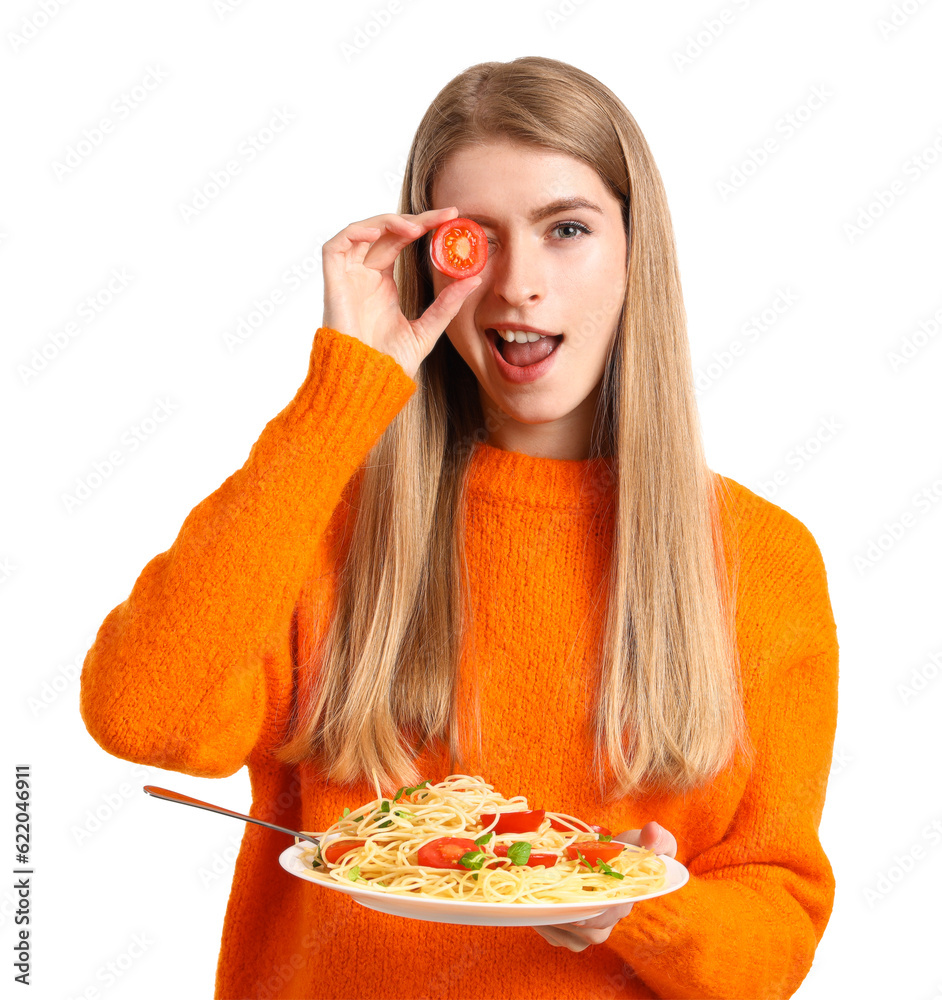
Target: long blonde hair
[667,708]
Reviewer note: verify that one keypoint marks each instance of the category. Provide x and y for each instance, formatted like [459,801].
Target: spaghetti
[378,846]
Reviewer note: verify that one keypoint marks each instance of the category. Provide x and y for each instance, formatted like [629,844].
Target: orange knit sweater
[193,672]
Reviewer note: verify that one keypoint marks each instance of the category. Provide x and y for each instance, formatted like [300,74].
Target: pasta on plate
[460,840]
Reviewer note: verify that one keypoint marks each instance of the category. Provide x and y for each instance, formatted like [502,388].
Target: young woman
[447,555]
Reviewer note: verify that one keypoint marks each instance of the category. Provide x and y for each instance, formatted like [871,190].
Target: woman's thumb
[431,324]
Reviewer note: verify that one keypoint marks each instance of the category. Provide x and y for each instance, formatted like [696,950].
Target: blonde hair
[667,708]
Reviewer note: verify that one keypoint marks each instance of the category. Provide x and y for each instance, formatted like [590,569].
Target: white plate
[458,911]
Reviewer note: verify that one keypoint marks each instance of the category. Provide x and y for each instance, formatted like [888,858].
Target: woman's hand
[579,935]
[361,298]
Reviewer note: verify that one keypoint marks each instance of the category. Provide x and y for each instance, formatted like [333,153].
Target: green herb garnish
[605,869]
[472,859]
[602,869]
[519,852]
[399,812]
[346,813]
[484,838]
[405,790]
[354,874]
[605,837]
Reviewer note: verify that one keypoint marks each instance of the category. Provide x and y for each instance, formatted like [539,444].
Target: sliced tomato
[335,851]
[593,850]
[446,852]
[522,821]
[458,248]
[536,857]
[585,827]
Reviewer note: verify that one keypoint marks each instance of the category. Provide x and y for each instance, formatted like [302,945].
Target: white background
[815,398]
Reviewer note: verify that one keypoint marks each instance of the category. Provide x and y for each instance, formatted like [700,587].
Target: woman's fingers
[445,308]
[377,242]
[401,230]
[350,245]
[398,232]
[580,934]
[575,937]
[609,918]
[651,836]
[561,938]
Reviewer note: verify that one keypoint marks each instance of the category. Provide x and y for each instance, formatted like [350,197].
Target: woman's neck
[568,437]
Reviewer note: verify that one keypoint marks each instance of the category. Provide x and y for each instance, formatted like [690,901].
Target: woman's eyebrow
[562,205]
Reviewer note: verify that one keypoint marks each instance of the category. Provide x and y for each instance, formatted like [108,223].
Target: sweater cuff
[352,391]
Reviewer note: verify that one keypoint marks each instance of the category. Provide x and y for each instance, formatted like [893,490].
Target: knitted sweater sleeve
[194,668]
[748,921]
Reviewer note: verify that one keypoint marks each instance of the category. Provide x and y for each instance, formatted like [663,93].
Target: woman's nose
[516,274]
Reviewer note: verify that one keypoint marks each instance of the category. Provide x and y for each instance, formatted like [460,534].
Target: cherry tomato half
[459,248]
[601,830]
[522,821]
[536,857]
[593,850]
[445,852]
[335,851]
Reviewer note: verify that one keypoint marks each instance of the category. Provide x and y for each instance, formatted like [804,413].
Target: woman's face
[563,272]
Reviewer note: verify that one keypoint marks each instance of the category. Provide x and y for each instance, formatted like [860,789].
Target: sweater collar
[560,483]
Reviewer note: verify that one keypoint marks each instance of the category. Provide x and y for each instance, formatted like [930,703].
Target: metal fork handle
[186,800]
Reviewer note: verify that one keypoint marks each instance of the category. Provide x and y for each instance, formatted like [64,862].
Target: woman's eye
[559,225]
[572,225]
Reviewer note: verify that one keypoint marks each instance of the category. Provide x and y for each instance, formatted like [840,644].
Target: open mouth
[523,354]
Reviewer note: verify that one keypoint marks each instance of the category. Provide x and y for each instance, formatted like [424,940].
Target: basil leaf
[385,806]
[581,857]
[484,838]
[387,823]
[472,859]
[406,790]
[354,874]
[346,812]
[519,852]
[603,837]
[608,870]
